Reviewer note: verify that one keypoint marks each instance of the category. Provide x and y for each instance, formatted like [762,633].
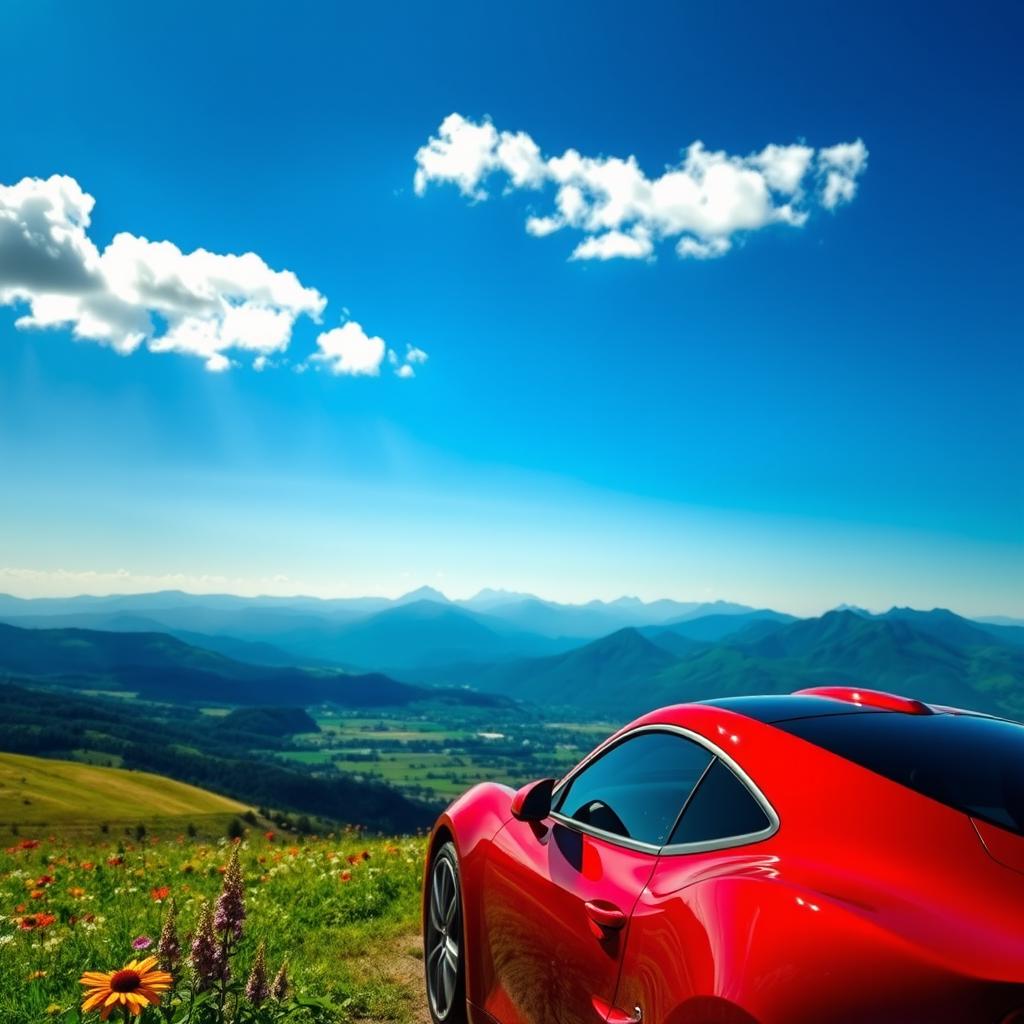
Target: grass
[42,793]
[336,908]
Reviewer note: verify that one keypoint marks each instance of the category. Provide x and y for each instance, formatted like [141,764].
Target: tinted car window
[637,788]
[973,764]
[721,808]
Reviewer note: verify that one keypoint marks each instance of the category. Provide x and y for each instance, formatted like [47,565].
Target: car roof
[786,707]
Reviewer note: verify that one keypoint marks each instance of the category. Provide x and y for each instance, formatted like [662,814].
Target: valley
[376,712]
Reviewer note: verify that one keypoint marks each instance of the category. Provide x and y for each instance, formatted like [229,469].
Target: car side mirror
[533,801]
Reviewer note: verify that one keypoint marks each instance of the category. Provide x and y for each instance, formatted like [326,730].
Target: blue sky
[828,411]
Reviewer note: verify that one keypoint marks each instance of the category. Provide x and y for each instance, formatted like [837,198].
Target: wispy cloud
[136,292]
[349,351]
[701,204]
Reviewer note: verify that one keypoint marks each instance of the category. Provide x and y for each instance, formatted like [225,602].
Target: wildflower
[87,865]
[53,1009]
[230,912]
[134,987]
[279,987]
[44,880]
[169,946]
[256,988]
[160,893]
[37,894]
[206,954]
[346,876]
[142,942]
[115,862]
[76,892]
[36,975]
[269,836]
[33,921]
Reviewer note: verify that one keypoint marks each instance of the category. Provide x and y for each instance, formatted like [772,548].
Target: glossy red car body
[867,904]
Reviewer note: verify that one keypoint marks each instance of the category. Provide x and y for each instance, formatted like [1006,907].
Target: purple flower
[142,942]
[256,988]
[169,946]
[207,954]
[230,912]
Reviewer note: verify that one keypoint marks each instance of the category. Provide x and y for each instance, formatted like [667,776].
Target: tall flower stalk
[206,954]
[169,946]
[257,988]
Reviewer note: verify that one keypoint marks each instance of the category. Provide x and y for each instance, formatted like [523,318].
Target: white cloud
[701,203]
[840,166]
[635,246]
[698,250]
[349,350]
[136,292]
[404,366]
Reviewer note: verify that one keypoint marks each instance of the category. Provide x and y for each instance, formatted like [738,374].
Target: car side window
[721,808]
[637,788]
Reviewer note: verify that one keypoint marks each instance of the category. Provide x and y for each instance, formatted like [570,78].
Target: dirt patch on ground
[402,965]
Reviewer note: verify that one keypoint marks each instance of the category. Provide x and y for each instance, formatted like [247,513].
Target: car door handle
[605,915]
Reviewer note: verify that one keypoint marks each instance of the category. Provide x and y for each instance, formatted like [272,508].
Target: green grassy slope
[36,791]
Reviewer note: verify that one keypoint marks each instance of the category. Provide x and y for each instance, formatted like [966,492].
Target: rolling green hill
[164,668]
[218,753]
[609,670]
[36,791]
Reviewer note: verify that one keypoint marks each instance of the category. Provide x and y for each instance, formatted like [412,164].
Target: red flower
[346,876]
[44,880]
[160,893]
[269,836]
[115,862]
[33,921]
[37,894]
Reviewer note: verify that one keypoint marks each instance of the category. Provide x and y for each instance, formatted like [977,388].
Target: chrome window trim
[674,849]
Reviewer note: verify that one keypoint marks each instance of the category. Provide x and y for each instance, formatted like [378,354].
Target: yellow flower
[53,1009]
[134,987]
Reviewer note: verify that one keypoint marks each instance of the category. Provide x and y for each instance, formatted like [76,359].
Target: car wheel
[443,954]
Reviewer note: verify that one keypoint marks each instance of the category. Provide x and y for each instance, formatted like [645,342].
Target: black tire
[443,943]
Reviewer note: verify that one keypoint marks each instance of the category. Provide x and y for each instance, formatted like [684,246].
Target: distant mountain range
[612,657]
[936,656]
[420,629]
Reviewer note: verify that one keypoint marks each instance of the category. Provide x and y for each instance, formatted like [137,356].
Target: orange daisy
[134,987]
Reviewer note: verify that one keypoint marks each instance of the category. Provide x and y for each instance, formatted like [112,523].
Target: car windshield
[973,764]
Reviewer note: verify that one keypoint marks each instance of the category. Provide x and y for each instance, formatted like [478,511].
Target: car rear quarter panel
[870,903]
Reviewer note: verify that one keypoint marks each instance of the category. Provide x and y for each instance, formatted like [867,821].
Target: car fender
[471,822]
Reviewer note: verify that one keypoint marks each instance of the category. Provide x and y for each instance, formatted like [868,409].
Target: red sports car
[831,857]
